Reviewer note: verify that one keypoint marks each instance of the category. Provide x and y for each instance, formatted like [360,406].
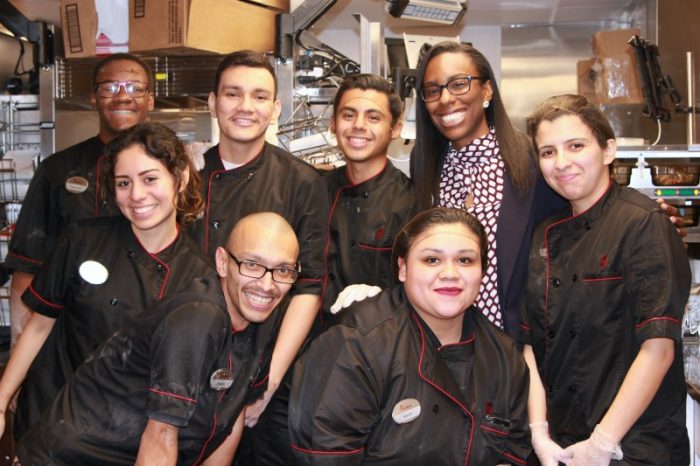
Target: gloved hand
[546,449]
[353,293]
[598,450]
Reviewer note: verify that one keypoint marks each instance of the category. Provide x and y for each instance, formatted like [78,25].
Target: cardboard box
[586,79]
[616,75]
[94,27]
[200,26]
[613,42]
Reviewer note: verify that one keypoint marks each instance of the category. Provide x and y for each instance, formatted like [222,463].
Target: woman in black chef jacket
[608,280]
[103,272]
[415,375]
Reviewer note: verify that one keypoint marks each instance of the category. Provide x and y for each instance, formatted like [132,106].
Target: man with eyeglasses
[170,388]
[66,186]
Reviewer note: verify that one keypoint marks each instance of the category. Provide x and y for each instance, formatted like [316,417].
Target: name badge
[77,184]
[93,272]
[406,411]
[221,379]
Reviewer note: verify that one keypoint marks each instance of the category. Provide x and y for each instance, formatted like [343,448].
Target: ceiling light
[447,12]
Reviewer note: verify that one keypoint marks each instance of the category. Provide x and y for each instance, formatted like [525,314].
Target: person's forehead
[265,246]
[365,99]
[247,76]
[118,68]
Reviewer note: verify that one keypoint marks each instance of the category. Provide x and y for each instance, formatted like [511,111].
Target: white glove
[352,294]
[597,450]
[546,449]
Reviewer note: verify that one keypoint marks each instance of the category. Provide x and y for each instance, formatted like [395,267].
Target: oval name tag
[406,411]
[77,184]
[221,379]
[93,272]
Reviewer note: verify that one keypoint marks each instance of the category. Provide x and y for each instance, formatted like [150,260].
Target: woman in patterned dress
[469,155]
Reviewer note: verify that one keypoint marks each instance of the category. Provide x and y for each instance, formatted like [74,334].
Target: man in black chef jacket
[171,387]
[244,174]
[65,186]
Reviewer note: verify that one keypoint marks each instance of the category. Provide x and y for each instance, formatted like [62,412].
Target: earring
[486,104]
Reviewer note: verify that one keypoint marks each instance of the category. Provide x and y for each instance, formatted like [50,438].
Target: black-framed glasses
[112,88]
[253,269]
[456,86]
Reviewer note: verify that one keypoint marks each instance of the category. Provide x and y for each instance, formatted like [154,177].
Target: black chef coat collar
[586,219]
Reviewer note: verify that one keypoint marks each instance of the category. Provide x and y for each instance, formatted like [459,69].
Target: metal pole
[690,70]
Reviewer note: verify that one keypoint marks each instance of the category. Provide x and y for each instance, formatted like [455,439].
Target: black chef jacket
[87,314]
[157,366]
[275,181]
[49,207]
[599,285]
[363,220]
[472,395]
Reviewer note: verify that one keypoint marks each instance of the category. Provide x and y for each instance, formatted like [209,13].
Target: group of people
[529,314]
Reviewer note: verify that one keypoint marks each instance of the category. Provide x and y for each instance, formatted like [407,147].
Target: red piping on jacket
[26,259]
[326,453]
[172,395]
[48,303]
[213,426]
[652,319]
[441,390]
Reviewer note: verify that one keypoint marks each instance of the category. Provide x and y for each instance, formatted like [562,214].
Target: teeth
[122,112]
[143,210]
[257,299]
[357,141]
[451,118]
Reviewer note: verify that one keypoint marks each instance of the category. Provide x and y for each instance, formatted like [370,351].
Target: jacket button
[436,408]
[365,194]
[215,225]
[159,267]
[352,242]
[114,301]
[574,278]
[550,334]
[556,282]
[131,254]
[572,333]
[217,177]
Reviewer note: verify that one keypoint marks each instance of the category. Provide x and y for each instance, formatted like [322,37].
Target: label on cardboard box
[93,27]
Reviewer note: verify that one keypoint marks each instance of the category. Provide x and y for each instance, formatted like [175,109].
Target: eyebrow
[437,250]
[261,260]
[140,173]
[450,78]
[240,88]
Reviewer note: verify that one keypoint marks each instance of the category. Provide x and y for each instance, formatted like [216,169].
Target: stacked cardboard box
[611,76]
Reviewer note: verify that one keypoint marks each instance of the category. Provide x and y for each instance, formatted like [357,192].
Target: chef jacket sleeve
[49,290]
[335,400]
[183,351]
[310,227]
[36,227]
[518,446]
[657,278]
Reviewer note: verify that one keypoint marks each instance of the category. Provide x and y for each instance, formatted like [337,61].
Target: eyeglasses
[254,270]
[456,86]
[112,88]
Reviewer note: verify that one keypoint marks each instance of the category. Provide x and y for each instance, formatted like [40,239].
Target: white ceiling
[479,12]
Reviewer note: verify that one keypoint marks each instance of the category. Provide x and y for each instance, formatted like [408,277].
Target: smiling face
[459,118]
[121,112]
[244,105]
[362,125]
[145,192]
[442,273]
[271,243]
[572,161]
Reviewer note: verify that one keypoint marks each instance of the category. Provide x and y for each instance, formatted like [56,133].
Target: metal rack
[20,149]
